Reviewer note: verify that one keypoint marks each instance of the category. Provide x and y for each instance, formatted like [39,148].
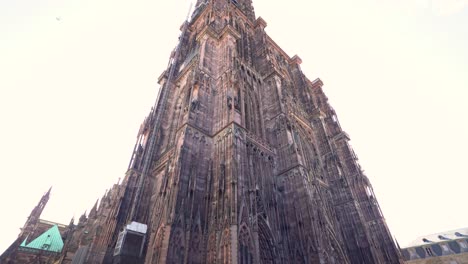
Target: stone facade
[450,247]
[242,160]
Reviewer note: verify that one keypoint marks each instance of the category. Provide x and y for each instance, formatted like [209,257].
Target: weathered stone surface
[242,160]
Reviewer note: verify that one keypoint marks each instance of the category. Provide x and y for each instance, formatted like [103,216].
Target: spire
[83,219]
[37,211]
[72,221]
[48,192]
[45,197]
[93,212]
[36,214]
[106,199]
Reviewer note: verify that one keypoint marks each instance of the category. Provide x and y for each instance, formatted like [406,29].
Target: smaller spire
[44,200]
[46,195]
[72,221]
[83,218]
[107,197]
[93,212]
[104,198]
[37,211]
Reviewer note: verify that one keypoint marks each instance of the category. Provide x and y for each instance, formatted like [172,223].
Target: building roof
[51,240]
[440,237]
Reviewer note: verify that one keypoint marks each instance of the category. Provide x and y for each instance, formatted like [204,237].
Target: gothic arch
[229,55]
[245,247]
[196,247]
[176,252]
[298,257]
[211,249]
[225,247]
[333,168]
[266,242]
[312,252]
[252,111]
[338,255]
[243,43]
[307,149]
[244,212]
[240,25]
[154,251]
[208,53]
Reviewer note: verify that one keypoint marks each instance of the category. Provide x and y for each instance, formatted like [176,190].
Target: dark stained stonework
[242,160]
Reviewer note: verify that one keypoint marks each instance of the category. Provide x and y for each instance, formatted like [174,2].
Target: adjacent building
[449,247]
[39,241]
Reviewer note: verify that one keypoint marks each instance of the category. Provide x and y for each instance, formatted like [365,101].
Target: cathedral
[241,160]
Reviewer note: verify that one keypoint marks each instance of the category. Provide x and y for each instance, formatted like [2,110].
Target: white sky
[74,90]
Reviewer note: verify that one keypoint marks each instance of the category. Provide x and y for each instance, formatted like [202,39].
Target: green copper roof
[50,240]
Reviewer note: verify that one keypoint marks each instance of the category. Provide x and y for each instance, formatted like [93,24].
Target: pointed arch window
[245,254]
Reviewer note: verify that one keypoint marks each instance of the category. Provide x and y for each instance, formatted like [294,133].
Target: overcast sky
[78,77]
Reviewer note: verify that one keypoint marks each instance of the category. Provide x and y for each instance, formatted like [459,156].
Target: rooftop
[440,237]
[51,241]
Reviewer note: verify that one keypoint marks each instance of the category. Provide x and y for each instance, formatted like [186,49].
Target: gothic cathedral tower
[242,160]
